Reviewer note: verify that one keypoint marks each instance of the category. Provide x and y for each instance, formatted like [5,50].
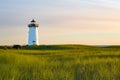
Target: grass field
[60,62]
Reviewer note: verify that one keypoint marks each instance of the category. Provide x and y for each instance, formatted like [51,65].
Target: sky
[90,22]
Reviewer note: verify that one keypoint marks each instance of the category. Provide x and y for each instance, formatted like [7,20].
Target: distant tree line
[11,47]
[17,46]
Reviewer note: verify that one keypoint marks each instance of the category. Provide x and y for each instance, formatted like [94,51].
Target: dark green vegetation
[60,62]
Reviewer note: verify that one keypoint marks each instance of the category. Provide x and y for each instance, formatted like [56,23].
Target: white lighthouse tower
[33,33]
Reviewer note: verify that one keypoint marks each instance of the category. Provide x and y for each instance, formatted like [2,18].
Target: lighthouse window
[34,41]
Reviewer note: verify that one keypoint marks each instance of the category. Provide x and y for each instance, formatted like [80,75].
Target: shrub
[17,46]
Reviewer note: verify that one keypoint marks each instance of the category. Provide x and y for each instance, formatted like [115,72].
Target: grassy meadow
[60,62]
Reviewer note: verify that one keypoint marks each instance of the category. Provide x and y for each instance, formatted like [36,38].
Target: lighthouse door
[34,42]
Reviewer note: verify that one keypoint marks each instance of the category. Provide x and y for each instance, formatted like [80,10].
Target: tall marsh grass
[71,63]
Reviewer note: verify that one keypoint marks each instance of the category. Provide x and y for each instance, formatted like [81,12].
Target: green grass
[60,62]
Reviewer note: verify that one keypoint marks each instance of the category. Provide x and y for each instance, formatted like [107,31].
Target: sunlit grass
[75,62]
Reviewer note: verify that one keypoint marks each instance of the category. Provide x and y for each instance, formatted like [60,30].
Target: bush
[17,46]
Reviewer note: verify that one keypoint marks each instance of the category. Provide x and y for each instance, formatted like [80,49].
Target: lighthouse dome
[33,20]
[33,24]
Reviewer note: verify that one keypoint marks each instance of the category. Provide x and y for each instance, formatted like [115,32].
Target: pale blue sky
[89,22]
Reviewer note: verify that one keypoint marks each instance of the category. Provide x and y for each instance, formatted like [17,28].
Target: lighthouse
[33,33]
